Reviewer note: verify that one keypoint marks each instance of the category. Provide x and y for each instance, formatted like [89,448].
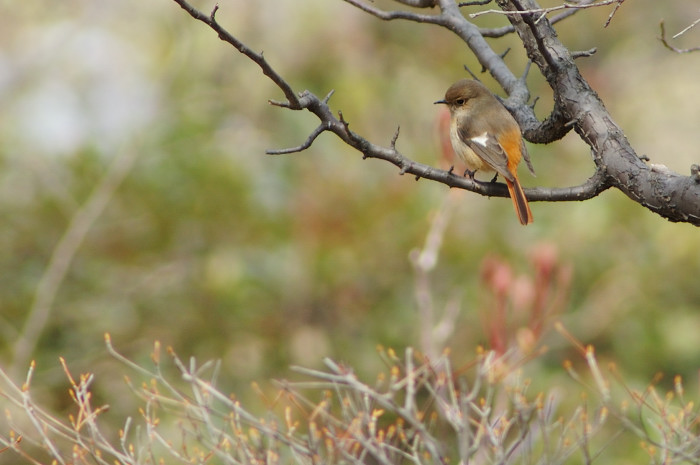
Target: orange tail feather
[522,208]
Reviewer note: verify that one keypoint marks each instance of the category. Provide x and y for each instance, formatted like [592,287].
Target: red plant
[522,306]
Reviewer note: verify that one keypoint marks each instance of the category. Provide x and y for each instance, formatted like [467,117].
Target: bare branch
[258,58]
[542,12]
[395,138]
[451,18]
[474,3]
[341,127]
[612,13]
[576,106]
[584,53]
[497,31]
[307,143]
[671,195]
[501,31]
[391,15]
[592,187]
[312,137]
[433,334]
[570,12]
[553,128]
[63,254]
[418,3]
[695,23]
[671,47]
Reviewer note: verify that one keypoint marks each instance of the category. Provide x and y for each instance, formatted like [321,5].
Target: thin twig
[340,127]
[342,377]
[545,11]
[419,3]
[424,261]
[474,3]
[501,31]
[584,53]
[663,40]
[241,47]
[63,254]
[612,13]
[695,23]
[391,15]
[305,145]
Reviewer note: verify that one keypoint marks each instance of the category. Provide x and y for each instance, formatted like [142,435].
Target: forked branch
[666,43]
[572,7]
[340,127]
[576,106]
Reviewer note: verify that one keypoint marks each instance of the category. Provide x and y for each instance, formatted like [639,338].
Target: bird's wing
[490,150]
[526,157]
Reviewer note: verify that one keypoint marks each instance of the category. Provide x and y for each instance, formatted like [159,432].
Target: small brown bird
[487,138]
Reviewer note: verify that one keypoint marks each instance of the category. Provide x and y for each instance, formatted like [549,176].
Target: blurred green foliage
[263,261]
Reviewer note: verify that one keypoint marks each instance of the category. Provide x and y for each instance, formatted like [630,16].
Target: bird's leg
[469,173]
[495,176]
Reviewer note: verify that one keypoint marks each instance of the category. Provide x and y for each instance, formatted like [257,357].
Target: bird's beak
[439,101]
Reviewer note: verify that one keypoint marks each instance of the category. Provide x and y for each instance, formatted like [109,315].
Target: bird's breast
[472,161]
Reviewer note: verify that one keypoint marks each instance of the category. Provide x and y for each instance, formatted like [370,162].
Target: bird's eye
[460,102]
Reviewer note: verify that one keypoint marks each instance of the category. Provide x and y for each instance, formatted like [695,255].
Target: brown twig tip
[395,138]
[212,15]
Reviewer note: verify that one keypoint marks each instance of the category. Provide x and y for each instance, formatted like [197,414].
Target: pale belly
[472,161]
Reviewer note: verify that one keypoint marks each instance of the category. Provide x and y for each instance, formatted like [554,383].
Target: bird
[487,138]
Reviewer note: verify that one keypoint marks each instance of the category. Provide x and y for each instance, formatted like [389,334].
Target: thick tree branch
[576,105]
[669,194]
[341,128]
[553,128]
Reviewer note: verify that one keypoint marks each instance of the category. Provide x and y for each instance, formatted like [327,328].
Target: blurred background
[136,197]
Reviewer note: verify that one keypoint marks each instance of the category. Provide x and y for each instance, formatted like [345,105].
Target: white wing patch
[482,139]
